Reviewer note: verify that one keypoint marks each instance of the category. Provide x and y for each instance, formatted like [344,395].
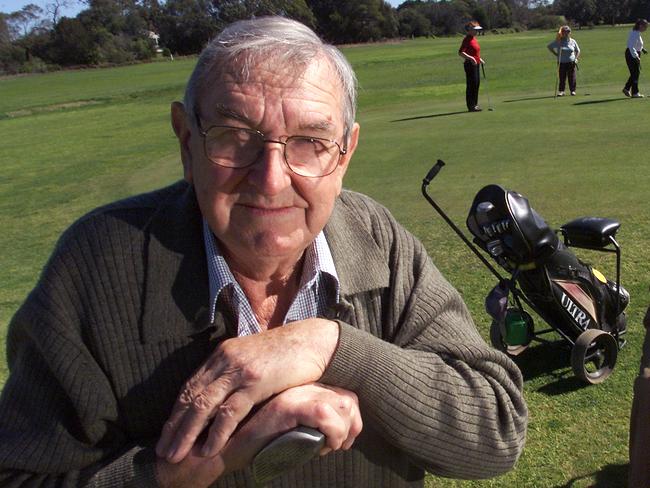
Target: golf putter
[285,452]
[487,90]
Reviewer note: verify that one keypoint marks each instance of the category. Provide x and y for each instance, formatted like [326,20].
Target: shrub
[547,21]
[34,65]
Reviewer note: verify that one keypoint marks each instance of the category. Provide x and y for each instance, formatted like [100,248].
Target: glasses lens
[309,156]
[232,147]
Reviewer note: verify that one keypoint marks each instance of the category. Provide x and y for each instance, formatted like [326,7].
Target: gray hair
[284,41]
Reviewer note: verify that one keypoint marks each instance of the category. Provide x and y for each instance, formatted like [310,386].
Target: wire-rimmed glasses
[237,147]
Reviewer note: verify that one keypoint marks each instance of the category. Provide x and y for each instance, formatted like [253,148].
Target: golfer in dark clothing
[633,58]
[470,51]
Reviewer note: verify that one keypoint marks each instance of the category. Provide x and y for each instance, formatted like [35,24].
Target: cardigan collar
[176,291]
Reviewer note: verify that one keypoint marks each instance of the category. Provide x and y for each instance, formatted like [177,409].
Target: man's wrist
[330,332]
[196,473]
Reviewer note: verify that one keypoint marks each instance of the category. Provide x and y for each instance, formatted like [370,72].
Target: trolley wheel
[594,355]
[498,342]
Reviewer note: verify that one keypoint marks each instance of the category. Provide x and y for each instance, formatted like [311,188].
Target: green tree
[639,9]
[185,26]
[26,19]
[54,9]
[230,10]
[11,57]
[359,21]
[413,23]
[74,43]
[449,17]
[613,11]
[5,29]
[581,12]
[108,31]
[107,14]
[502,15]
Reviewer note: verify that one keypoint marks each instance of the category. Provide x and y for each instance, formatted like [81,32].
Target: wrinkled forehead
[274,69]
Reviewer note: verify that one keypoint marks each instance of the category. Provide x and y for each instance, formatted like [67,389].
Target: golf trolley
[576,300]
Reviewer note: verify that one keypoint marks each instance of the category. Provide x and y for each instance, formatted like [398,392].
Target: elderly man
[173,334]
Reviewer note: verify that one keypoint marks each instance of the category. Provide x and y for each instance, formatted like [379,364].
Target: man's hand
[195,471]
[241,373]
[333,411]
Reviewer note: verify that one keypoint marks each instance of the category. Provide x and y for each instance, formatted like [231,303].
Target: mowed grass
[71,141]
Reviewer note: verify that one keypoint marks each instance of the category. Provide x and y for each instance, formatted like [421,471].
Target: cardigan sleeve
[430,384]
[59,420]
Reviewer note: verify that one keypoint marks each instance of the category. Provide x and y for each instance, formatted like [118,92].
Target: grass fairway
[71,141]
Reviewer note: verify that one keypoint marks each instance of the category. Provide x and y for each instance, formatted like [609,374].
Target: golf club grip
[287,451]
[434,171]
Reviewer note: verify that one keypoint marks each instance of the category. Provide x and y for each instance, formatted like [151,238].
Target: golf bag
[576,300]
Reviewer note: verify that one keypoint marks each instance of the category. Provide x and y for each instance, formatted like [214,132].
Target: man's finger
[192,387]
[169,430]
[348,408]
[356,426]
[332,424]
[226,419]
[196,409]
[190,391]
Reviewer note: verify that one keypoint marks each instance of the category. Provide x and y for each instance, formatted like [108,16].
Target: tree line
[109,32]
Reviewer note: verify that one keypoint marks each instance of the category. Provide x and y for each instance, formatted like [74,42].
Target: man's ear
[353,140]
[181,126]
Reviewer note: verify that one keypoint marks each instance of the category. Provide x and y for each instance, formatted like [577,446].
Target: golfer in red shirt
[470,51]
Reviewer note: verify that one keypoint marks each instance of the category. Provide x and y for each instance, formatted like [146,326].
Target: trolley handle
[425,183]
[433,172]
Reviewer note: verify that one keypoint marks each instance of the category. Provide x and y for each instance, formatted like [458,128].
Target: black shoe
[476,109]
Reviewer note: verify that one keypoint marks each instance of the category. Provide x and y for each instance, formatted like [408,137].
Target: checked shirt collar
[319,285]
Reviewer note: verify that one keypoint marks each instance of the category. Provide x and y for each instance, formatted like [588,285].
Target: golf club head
[285,452]
[483,211]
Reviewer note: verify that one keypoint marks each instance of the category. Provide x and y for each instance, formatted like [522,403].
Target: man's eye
[309,142]
[241,136]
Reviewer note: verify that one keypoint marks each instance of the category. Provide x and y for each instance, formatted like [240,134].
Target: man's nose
[271,173]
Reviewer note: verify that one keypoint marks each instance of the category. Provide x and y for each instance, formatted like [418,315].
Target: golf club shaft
[487,90]
[557,73]
[425,183]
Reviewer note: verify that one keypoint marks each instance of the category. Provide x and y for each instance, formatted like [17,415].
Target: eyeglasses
[236,147]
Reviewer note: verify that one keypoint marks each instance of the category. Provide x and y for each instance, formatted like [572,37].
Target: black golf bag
[576,300]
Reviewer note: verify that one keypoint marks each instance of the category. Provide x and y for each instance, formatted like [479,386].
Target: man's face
[265,210]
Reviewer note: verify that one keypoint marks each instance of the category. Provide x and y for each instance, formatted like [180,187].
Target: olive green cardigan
[118,321]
